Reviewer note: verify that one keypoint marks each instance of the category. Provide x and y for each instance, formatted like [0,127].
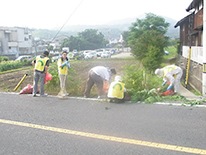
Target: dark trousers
[39,76]
[94,79]
[116,100]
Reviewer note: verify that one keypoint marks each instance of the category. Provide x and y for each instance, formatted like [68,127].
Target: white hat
[159,72]
[118,78]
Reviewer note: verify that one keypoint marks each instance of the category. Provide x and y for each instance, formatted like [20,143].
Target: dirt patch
[9,81]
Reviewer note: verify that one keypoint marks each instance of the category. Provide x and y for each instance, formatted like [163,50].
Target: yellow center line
[109,138]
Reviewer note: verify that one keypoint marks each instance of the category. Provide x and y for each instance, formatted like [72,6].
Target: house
[56,42]
[15,41]
[191,45]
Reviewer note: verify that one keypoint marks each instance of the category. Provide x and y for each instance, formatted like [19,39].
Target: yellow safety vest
[63,69]
[116,90]
[169,68]
[40,63]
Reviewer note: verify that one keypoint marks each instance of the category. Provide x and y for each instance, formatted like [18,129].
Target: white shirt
[103,72]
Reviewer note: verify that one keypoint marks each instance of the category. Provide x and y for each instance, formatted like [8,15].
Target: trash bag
[105,88]
[168,92]
[48,77]
[27,90]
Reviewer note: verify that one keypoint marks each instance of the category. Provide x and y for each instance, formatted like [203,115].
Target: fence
[196,53]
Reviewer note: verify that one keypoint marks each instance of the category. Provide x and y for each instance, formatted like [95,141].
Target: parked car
[112,51]
[24,57]
[99,52]
[89,55]
[106,54]
[166,53]
[78,55]
[86,52]
[55,57]
[94,53]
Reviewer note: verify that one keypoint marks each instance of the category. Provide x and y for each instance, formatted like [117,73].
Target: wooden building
[191,37]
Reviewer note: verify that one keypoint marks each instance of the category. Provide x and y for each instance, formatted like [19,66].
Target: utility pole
[204,52]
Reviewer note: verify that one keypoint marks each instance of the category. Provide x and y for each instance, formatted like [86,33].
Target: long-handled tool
[20,82]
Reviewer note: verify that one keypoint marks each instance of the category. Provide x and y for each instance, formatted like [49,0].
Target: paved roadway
[51,126]
[122,54]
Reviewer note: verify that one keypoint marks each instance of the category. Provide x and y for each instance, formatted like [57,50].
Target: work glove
[64,64]
[164,83]
[170,87]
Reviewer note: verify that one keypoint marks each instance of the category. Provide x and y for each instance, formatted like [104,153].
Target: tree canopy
[147,40]
[87,40]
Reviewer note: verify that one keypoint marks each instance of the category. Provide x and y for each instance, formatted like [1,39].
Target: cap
[159,72]
[118,78]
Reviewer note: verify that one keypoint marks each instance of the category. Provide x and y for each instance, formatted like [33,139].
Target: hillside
[110,30]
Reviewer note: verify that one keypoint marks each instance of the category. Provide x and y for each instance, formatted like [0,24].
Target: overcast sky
[52,13]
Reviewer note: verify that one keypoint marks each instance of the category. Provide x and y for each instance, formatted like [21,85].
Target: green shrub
[3,58]
[152,59]
[53,85]
[27,62]
[140,85]
[74,84]
[136,79]
[8,65]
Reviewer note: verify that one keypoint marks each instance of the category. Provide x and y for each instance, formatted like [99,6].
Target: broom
[62,93]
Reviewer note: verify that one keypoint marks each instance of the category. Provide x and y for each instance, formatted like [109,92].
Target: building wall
[195,73]
[191,36]
[15,41]
[198,21]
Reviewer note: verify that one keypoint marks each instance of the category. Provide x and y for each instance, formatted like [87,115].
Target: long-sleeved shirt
[103,72]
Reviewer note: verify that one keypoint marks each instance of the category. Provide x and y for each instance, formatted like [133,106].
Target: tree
[71,42]
[87,40]
[91,39]
[125,35]
[50,48]
[146,35]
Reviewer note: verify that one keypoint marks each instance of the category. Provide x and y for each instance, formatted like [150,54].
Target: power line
[67,20]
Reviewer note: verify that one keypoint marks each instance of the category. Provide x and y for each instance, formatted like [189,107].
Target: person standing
[172,74]
[97,75]
[63,65]
[117,90]
[41,65]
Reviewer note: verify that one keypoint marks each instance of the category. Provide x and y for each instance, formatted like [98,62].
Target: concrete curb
[95,99]
[180,104]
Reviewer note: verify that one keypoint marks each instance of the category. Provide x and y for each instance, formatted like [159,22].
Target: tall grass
[74,83]
[172,52]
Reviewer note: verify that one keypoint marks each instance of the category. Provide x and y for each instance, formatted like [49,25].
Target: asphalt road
[123,54]
[51,126]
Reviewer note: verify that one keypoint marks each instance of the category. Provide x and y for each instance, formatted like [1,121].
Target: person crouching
[116,93]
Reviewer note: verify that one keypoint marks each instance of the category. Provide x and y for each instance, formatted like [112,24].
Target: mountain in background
[111,30]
